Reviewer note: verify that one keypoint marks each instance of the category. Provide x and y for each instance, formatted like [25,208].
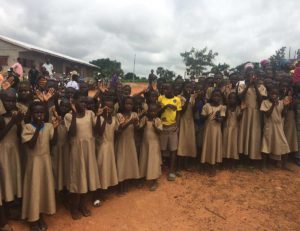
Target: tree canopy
[197,61]
[108,67]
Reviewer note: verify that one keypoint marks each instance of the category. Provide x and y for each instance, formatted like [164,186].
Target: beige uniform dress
[249,138]
[84,175]
[212,135]
[61,158]
[38,190]
[230,134]
[127,161]
[150,157]
[106,156]
[290,130]
[10,165]
[187,135]
[274,140]
[2,108]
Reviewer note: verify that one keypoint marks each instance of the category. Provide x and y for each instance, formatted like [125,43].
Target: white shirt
[73,84]
[49,68]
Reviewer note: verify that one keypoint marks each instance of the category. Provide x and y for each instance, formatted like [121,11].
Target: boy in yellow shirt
[170,106]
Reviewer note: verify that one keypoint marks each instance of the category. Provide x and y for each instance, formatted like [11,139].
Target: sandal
[6,227]
[35,226]
[97,203]
[85,212]
[171,177]
[76,215]
[153,187]
[42,224]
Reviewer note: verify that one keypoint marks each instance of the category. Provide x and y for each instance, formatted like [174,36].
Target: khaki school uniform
[84,175]
[187,135]
[274,140]
[11,174]
[249,138]
[230,134]
[290,130]
[61,158]
[150,156]
[39,191]
[126,155]
[106,156]
[212,135]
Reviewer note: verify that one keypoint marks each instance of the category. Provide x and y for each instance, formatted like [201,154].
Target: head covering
[296,77]
[264,62]
[74,73]
[248,65]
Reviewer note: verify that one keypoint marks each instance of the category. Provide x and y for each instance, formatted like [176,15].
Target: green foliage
[108,68]
[277,57]
[130,76]
[165,73]
[220,68]
[197,61]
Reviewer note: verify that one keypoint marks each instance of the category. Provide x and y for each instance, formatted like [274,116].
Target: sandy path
[247,199]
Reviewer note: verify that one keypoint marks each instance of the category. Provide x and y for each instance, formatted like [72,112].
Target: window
[3,60]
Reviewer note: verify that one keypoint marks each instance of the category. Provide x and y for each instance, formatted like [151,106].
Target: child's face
[177,89]
[38,114]
[64,107]
[188,89]
[126,91]
[168,90]
[232,99]
[9,101]
[90,104]
[273,95]
[216,97]
[25,92]
[110,107]
[128,105]
[80,104]
[69,92]
[83,87]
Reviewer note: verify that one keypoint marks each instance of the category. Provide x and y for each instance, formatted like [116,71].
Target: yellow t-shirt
[168,117]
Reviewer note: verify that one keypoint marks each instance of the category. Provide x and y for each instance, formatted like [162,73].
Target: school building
[11,49]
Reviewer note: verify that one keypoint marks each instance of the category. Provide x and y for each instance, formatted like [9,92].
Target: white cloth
[49,68]
[73,84]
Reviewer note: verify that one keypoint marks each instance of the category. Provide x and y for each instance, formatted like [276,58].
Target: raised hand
[50,93]
[39,95]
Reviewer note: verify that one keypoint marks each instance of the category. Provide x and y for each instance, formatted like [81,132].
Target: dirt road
[247,199]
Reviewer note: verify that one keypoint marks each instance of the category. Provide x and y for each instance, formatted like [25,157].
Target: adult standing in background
[48,67]
[18,68]
[33,75]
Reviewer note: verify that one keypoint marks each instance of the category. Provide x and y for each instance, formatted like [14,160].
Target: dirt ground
[247,199]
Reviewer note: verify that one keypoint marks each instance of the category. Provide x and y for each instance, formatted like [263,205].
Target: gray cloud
[156,31]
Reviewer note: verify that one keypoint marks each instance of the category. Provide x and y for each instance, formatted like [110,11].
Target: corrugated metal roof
[31,47]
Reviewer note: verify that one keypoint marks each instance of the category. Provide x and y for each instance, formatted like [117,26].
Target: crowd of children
[62,142]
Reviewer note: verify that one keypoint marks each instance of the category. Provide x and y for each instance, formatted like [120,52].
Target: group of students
[54,138]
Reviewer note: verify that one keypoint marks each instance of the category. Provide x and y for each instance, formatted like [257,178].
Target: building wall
[30,57]
[10,50]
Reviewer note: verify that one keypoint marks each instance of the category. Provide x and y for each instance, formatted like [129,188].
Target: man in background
[18,68]
[49,68]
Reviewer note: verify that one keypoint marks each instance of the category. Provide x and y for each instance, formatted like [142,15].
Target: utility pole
[134,67]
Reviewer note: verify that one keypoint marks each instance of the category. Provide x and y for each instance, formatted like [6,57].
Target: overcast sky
[157,31]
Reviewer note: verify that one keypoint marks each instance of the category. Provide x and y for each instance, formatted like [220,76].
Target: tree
[165,73]
[160,71]
[277,58]
[108,67]
[220,68]
[130,76]
[197,61]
